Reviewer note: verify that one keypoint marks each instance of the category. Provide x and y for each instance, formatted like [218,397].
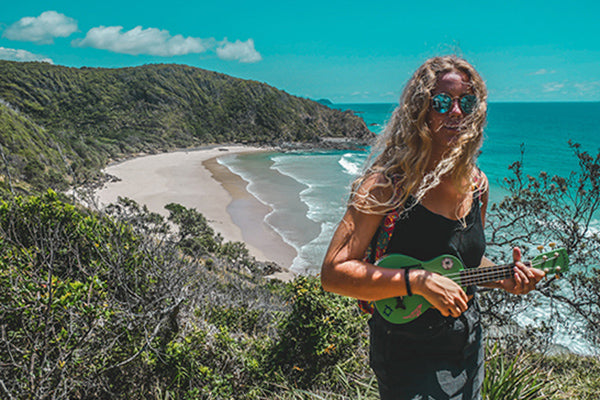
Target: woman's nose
[455,108]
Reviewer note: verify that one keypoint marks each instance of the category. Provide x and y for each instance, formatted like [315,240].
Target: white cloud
[158,42]
[543,71]
[587,88]
[553,86]
[238,50]
[21,55]
[42,29]
[151,41]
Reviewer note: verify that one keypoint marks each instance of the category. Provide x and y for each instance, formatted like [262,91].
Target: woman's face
[445,128]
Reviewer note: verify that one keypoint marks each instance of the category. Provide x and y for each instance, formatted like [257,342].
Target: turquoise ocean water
[307,191]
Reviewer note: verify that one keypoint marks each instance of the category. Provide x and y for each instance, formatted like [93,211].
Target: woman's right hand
[443,293]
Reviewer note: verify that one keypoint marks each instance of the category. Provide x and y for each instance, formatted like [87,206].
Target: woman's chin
[448,137]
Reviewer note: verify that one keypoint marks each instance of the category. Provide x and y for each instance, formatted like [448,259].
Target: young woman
[426,174]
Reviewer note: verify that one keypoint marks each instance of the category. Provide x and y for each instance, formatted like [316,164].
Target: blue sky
[347,51]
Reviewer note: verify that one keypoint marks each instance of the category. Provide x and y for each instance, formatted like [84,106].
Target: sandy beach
[195,179]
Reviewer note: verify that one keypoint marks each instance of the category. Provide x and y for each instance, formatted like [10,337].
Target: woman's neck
[448,199]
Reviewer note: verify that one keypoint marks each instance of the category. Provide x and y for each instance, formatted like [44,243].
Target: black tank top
[424,235]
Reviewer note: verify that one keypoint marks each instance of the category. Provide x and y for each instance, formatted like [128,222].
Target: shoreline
[195,179]
[248,213]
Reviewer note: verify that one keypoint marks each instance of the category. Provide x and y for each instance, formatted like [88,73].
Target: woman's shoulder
[386,185]
[377,178]
[375,192]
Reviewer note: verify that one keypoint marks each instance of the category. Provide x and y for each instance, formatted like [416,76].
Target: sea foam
[321,173]
[351,164]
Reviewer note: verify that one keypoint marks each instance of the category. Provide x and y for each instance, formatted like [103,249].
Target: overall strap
[377,248]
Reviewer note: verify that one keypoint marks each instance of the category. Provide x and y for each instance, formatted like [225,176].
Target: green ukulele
[400,310]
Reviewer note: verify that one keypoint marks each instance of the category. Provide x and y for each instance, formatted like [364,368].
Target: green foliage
[196,237]
[78,294]
[514,378]
[351,386]
[238,318]
[98,307]
[548,208]
[29,154]
[321,330]
[575,376]
[540,210]
[234,251]
[198,365]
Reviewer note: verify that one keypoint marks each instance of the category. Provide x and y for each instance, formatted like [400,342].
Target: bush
[81,297]
[516,379]
[322,330]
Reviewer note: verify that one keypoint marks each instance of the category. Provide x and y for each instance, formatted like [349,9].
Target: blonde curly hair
[405,146]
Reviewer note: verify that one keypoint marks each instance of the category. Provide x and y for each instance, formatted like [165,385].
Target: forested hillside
[84,117]
[29,153]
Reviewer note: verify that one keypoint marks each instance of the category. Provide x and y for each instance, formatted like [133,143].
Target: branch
[6,390]
[165,315]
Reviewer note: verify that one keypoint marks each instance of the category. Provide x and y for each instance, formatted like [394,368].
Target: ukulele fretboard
[478,276]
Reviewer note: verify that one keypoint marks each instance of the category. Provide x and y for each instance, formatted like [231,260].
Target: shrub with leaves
[195,236]
[514,377]
[322,330]
[81,296]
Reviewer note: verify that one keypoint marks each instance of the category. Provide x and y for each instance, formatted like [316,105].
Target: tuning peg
[547,270]
[558,269]
[540,248]
[552,245]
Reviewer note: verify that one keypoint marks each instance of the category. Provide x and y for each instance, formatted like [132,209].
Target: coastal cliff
[89,116]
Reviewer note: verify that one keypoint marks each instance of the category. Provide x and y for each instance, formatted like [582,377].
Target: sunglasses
[443,102]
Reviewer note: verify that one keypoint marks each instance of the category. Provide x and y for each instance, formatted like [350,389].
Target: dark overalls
[432,357]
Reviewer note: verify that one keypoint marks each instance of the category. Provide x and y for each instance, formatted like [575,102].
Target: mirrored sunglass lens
[441,103]
[468,103]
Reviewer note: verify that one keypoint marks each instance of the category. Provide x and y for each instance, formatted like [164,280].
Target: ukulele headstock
[555,261]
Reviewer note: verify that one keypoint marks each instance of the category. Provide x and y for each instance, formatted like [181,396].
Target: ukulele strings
[491,273]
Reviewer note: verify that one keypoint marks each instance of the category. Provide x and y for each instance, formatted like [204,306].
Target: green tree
[195,236]
[551,209]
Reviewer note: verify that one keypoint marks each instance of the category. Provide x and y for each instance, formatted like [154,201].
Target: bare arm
[343,270]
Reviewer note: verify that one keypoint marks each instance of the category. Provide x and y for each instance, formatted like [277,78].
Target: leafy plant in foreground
[321,331]
[516,379]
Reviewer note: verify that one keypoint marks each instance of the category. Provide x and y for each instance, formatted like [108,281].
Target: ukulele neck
[482,275]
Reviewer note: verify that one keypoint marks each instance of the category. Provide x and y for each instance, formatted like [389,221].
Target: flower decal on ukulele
[415,313]
[447,263]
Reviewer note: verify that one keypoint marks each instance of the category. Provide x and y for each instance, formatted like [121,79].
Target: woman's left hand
[524,278]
